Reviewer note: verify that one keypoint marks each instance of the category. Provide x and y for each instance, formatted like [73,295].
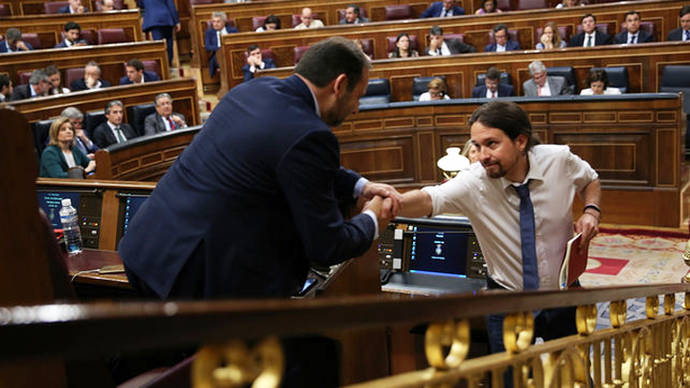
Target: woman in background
[402,47]
[550,38]
[436,90]
[488,6]
[598,83]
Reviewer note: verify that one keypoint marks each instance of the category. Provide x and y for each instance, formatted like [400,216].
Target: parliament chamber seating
[92,119]
[419,85]
[676,78]
[228,23]
[54,6]
[137,114]
[299,52]
[532,4]
[111,35]
[73,74]
[505,78]
[398,12]
[460,37]
[567,72]
[606,28]
[89,36]
[23,77]
[33,40]
[651,28]
[40,131]
[378,92]
[617,75]
[258,21]
[368,47]
[5,10]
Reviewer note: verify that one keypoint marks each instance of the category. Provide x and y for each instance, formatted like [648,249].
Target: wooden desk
[85,266]
[475,29]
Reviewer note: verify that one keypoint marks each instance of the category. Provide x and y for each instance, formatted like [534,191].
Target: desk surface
[86,264]
[431,285]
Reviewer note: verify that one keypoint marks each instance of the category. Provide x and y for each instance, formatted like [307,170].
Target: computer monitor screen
[439,250]
[51,202]
[129,205]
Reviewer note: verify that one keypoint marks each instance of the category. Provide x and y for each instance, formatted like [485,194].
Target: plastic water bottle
[70,227]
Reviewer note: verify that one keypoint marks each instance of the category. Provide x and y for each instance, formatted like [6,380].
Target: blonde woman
[550,38]
[60,155]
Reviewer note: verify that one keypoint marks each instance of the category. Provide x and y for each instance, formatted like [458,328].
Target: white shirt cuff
[371,214]
[359,187]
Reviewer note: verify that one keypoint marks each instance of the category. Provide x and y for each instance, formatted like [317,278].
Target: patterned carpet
[634,256]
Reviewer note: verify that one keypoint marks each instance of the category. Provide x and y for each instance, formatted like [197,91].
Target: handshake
[384,201]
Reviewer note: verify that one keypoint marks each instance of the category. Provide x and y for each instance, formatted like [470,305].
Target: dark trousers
[549,324]
[164,32]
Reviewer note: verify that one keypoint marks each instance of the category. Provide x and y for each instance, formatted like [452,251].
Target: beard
[494,170]
[339,112]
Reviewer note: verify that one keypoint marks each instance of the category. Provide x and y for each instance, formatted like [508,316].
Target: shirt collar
[111,125]
[535,172]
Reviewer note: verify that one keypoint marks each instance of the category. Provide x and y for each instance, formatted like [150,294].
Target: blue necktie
[687,34]
[530,272]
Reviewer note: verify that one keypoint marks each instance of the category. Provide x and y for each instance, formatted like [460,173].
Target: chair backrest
[512,33]
[40,130]
[299,52]
[297,19]
[111,35]
[23,77]
[419,85]
[89,36]
[505,78]
[532,4]
[566,72]
[257,21]
[503,5]
[460,37]
[5,10]
[605,28]
[32,39]
[136,115]
[72,75]
[378,92]
[54,6]
[368,46]
[676,78]
[391,42]
[617,75]
[195,2]
[564,31]
[341,13]
[397,12]
[93,119]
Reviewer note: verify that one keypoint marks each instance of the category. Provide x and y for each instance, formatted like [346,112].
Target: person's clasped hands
[384,201]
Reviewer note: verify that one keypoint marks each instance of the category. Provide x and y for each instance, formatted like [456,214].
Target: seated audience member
[13,42]
[550,38]
[212,38]
[493,87]
[255,62]
[72,32]
[308,20]
[92,79]
[81,140]
[436,90]
[439,46]
[164,119]
[569,4]
[590,36]
[38,86]
[442,9]
[361,47]
[488,6]
[271,23]
[470,151]
[5,87]
[542,85]
[352,15]
[502,41]
[74,6]
[60,155]
[402,47]
[136,73]
[55,79]
[633,34]
[682,32]
[598,85]
[113,130]
[108,5]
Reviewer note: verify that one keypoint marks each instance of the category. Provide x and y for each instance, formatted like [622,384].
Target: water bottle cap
[66,202]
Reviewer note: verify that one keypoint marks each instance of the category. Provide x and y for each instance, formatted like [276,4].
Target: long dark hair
[396,50]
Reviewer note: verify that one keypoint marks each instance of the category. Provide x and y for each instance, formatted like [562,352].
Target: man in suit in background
[590,36]
[440,46]
[136,73]
[683,32]
[38,86]
[542,85]
[13,42]
[92,79]
[493,87]
[212,37]
[633,34]
[445,8]
[81,140]
[502,41]
[113,131]
[72,33]
[255,61]
[352,15]
[73,7]
[164,119]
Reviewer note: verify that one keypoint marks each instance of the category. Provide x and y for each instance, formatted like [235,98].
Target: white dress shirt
[490,94]
[636,35]
[444,51]
[545,90]
[499,48]
[493,207]
[607,92]
[112,129]
[594,40]
[69,158]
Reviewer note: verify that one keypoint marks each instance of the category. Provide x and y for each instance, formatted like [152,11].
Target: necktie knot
[522,190]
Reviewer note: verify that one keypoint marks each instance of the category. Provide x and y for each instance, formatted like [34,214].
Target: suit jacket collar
[304,91]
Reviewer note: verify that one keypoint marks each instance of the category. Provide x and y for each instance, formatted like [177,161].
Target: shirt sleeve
[451,196]
[579,170]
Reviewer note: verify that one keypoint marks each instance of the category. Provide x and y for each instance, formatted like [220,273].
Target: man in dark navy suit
[136,73]
[72,33]
[502,41]
[682,32]
[113,130]
[632,33]
[493,87]
[590,36]
[212,38]
[443,8]
[73,7]
[255,61]
[92,79]
[13,42]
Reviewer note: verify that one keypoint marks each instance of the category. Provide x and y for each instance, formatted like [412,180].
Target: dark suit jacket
[599,39]
[158,13]
[510,46]
[359,20]
[455,46]
[503,91]
[54,165]
[3,46]
[268,64]
[249,203]
[21,92]
[64,45]
[434,10]
[211,38]
[153,123]
[80,84]
[64,9]
[103,136]
[148,77]
[642,37]
[676,34]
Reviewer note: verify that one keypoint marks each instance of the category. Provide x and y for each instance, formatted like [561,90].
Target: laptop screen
[439,250]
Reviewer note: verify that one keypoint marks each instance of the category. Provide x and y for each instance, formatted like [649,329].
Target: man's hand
[379,205]
[178,120]
[588,225]
[90,82]
[383,190]
[21,45]
[90,167]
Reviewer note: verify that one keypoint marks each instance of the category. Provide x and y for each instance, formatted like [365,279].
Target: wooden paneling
[644,63]
[49,27]
[182,91]
[111,58]
[475,28]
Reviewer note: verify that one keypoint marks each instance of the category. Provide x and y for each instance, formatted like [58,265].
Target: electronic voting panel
[130,202]
[88,203]
[444,246]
